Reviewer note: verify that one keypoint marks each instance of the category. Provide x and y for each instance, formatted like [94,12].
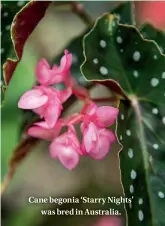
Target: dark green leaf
[117,55]
[123,12]
[149,32]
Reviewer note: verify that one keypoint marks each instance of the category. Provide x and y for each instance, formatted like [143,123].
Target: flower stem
[79,9]
[105,99]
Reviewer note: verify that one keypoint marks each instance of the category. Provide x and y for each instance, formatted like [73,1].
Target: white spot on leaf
[74,59]
[163,75]
[131,189]
[7,27]
[161,195]
[135,74]
[122,117]
[155,146]
[140,201]
[5,14]
[119,40]
[133,174]
[103,43]
[128,132]
[20,3]
[154,82]
[163,120]
[136,56]
[140,215]
[155,111]
[95,61]
[103,70]
[2,50]
[130,153]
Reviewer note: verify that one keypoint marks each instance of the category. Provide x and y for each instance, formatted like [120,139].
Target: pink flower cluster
[46,101]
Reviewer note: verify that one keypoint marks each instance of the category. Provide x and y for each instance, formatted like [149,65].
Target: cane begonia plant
[46,101]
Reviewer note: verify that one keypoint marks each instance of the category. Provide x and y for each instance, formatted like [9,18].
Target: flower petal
[65,94]
[92,109]
[66,61]
[43,72]
[41,133]
[32,99]
[68,157]
[106,138]
[90,138]
[53,148]
[106,116]
[52,113]
[42,124]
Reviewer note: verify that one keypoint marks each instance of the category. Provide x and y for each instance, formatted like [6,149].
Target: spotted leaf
[124,13]
[149,32]
[118,57]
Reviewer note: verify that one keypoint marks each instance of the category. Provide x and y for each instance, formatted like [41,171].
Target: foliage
[138,67]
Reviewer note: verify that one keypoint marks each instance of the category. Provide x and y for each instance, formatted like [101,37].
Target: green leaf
[149,32]
[117,56]
[123,12]
[11,115]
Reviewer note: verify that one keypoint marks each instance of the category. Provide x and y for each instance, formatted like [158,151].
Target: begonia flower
[45,101]
[66,148]
[47,76]
[96,141]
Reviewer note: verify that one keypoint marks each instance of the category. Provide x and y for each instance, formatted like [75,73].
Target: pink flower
[96,141]
[102,116]
[42,131]
[46,102]
[66,148]
[47,76]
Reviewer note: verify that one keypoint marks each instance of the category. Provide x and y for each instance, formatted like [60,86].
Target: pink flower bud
[66,148]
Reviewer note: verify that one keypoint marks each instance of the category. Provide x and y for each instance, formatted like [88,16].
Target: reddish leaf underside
[23,24]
